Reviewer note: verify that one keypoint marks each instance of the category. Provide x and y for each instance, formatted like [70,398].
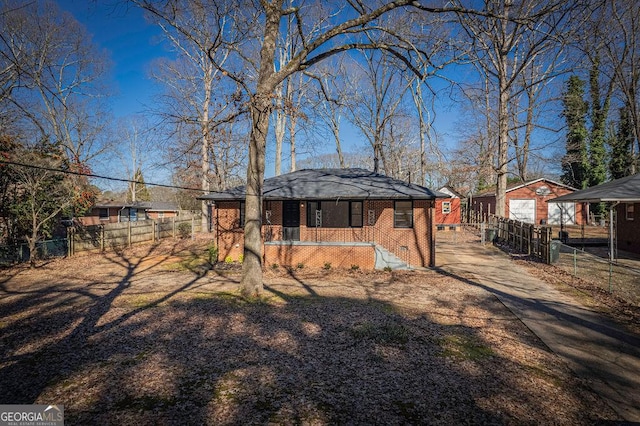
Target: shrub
[327,266]
[354,267]
[275,266]
[241,258]
[184,230]
[228,259]
[388,269]
[300,265]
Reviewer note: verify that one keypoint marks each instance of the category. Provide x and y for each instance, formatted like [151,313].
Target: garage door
[522,210]
[565,212]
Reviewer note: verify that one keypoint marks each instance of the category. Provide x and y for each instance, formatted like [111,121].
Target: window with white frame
[103,214]
[446,207]
[630,211]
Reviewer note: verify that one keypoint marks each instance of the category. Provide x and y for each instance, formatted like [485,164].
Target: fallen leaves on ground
[118,339]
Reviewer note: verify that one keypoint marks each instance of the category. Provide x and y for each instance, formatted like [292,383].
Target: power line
[92,175]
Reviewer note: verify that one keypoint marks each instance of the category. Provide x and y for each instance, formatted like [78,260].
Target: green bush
[184,230]
[241,258]
[300,265]
[275,266]
[327,266]
[228,259]
[354,267]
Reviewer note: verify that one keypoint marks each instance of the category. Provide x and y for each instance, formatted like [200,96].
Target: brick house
[527,202]
[341,217]
[622,197]
[119,211]
[448,210]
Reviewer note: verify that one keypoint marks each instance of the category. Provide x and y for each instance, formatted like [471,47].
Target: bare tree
[505,42]
[198,106]
[251,34]
[329,100]
[377,94]
[61,73]
[621,54]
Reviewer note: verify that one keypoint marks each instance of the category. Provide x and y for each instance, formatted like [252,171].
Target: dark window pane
[403,214]
[356,213]
[335,214]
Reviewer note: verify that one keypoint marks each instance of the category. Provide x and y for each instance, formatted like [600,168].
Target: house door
[291,220]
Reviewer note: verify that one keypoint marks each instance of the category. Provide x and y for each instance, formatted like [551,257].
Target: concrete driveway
[594,348]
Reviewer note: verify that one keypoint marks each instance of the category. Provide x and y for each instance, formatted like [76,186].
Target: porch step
[386,259]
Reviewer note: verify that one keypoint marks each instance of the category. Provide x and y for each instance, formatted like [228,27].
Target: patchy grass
[463,347]
[318,347]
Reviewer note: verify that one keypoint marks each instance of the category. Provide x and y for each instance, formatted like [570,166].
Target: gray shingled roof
[323,184]
[626,189]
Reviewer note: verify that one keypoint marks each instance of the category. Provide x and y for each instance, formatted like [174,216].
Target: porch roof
[323,184]
[626,189]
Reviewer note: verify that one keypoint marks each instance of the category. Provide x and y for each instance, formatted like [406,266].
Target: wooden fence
[124,234]
[526,238]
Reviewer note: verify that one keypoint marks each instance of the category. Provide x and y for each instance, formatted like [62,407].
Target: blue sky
[132,44]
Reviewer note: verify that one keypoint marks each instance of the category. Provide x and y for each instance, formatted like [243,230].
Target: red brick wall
[528,193]
[542,208]
[154,215]
[314,255]
[628,230]
[451,218]
[93,217]
[411,244]
[226,227]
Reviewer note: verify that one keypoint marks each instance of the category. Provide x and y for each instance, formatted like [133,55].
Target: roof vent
[543,190]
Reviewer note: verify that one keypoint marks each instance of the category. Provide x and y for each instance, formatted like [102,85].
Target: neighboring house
[118,211]
[623,198]
[448,210]
[527,202]
[338,217]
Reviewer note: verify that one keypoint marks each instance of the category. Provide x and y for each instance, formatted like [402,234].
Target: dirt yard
[150,335]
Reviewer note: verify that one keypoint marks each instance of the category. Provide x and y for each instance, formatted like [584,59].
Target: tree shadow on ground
[218,358]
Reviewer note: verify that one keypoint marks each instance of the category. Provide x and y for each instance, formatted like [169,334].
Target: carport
[623,190]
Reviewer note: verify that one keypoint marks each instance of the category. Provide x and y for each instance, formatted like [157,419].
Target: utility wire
[92,175]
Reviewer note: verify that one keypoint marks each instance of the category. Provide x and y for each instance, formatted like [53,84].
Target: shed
[527,202]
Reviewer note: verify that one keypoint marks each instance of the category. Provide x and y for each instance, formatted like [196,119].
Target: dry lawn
[150,336]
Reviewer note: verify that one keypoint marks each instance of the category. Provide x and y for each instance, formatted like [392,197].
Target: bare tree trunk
[503,139]
[251,282]
[335,128]
[279,127]
[417,100]
[205,144]
[293,120]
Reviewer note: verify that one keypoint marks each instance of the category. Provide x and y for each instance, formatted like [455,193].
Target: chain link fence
[617,278]
[18,253]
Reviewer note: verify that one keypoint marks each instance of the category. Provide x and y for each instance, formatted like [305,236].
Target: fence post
[129,233]
[193,231]
[101,237]
[173,219]
[153,231]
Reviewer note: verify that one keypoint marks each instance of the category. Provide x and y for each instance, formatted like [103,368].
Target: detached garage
[527,202]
